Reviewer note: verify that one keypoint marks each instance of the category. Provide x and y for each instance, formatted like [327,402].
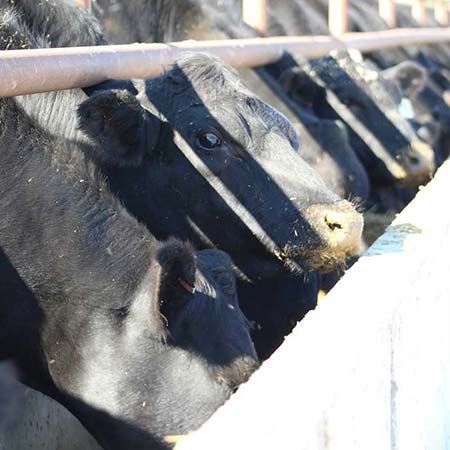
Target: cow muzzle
[419,164]
[336,235]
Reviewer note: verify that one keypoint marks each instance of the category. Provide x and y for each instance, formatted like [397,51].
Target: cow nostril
[414,160]
[332,223]
[336,234]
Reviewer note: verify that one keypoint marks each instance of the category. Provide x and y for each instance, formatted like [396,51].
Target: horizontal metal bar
[41,70]
[428,3]
[367,42]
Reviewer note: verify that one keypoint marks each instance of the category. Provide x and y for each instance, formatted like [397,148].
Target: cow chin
[319,260]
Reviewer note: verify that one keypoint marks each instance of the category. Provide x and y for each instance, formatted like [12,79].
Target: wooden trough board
[369,368]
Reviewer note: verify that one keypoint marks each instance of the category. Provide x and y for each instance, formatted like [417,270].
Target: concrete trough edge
[370,366]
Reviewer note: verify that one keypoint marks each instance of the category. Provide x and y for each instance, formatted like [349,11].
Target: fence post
[337,17]
[441,12]
[419,12]
[254,13]
[86,3]
[386,9]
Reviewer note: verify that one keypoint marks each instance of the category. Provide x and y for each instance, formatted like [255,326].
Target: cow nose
[419,164]
[441,113]
[436,114]
[446,97]
[337,225]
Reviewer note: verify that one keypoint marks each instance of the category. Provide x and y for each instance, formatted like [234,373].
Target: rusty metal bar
[338,17]
[386,9]
[254,13]
[41,70]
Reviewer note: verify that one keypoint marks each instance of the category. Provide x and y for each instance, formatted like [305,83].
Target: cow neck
[92,237]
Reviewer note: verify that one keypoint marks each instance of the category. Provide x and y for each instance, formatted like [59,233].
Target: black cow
[64,23]
[139,339]
[10,394]
[198,156]
[430,113]
[273,215]
[380,130]
[325,144]
[382,138]
[421,78]
[109,117]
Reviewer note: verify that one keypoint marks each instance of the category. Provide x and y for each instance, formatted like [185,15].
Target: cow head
[197,155]
[383,139]
[160,361]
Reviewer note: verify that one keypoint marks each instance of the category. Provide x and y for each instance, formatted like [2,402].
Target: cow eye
[209,139]
[354,105]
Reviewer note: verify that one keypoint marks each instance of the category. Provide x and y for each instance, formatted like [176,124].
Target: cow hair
[63,23]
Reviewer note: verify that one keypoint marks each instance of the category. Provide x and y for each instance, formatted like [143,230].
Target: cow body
[345,175]
[64,23]
[98,314]
[267,171]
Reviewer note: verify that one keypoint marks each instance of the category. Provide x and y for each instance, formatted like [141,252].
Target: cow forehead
[364,78]
[232,105]
[198,89]
[214,90]
[358,71]
[208,76]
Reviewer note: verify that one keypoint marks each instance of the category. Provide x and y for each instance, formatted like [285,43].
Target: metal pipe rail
[41,70]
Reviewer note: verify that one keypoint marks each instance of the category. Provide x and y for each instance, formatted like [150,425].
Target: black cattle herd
[159,238]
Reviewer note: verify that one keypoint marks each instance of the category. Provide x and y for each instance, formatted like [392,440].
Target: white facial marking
[406,109]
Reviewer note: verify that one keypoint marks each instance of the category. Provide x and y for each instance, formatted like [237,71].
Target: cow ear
[410,76]
[121,129]
[299,85]
[291,78]
[174,279]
